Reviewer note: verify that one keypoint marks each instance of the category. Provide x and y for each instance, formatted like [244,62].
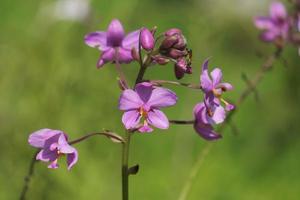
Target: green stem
[125,173]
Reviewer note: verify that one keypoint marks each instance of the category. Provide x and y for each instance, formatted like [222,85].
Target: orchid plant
[142,103]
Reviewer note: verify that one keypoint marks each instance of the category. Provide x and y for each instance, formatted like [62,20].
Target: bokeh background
[48,79]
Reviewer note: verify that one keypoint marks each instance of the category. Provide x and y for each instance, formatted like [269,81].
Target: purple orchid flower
[213,86]
[276,26]
[113,43]
[204,119]
[144,103]
[53,144]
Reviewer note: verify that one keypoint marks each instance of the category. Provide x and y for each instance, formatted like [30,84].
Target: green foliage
[48,79]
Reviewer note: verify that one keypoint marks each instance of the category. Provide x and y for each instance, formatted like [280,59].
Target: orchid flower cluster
[142,103]
[280,27]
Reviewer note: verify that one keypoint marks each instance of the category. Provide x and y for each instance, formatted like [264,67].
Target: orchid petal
[131,119]
[158,119]
[131,40]
[216,75]
[72,158]
[162,97]
[38,138]
[96,40]
[129,99]
[115,33]
[277,11]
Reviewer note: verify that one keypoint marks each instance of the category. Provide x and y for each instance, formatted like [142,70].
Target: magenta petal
[158,119]
[219,115]
[106,56]
[38,138]
[72,158]
[131,119]
[264,23]
[96,39]
[131,40]
[216,75]
[277,11]
[200,113]
[115,33]
[205,81]
[129,100]
[206,131]
[144,90]
[53,165]
[145,129]
[162,97]
[268,36]
[46,155]
[224,86]
[124,56]
[63,145]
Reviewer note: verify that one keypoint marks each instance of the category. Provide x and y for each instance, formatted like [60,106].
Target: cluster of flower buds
[174,47]
[280,27]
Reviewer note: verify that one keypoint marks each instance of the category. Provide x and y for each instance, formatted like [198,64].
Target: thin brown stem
[182,122]
[110,135]
[265,67]
[28,176]
[188,85]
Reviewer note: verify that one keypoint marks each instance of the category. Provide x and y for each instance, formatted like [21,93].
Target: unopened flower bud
[147,39]
[161,60]
[175,53]
[180,68]
[135,54]
[169,42]
[181,43]
[173,31]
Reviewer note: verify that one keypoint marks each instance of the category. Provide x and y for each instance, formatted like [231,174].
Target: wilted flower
[144,103]
[113,43]
[276,26]
[213,86]
[205,117]
[53,144]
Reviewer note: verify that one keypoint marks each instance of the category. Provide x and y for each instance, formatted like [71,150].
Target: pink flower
[113,43]
[53,144]
[144,103]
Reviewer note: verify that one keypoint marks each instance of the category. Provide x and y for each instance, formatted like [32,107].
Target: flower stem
[125,174]
[182,122]
[188,85]
[28,176]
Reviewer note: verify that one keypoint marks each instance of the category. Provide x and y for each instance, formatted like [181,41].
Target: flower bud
[181,43]
[147,39]
[175,53]
[161,60]
[168,42]
[180,68]
[173,31]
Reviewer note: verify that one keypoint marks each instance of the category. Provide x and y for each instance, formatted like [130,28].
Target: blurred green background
[48,79]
